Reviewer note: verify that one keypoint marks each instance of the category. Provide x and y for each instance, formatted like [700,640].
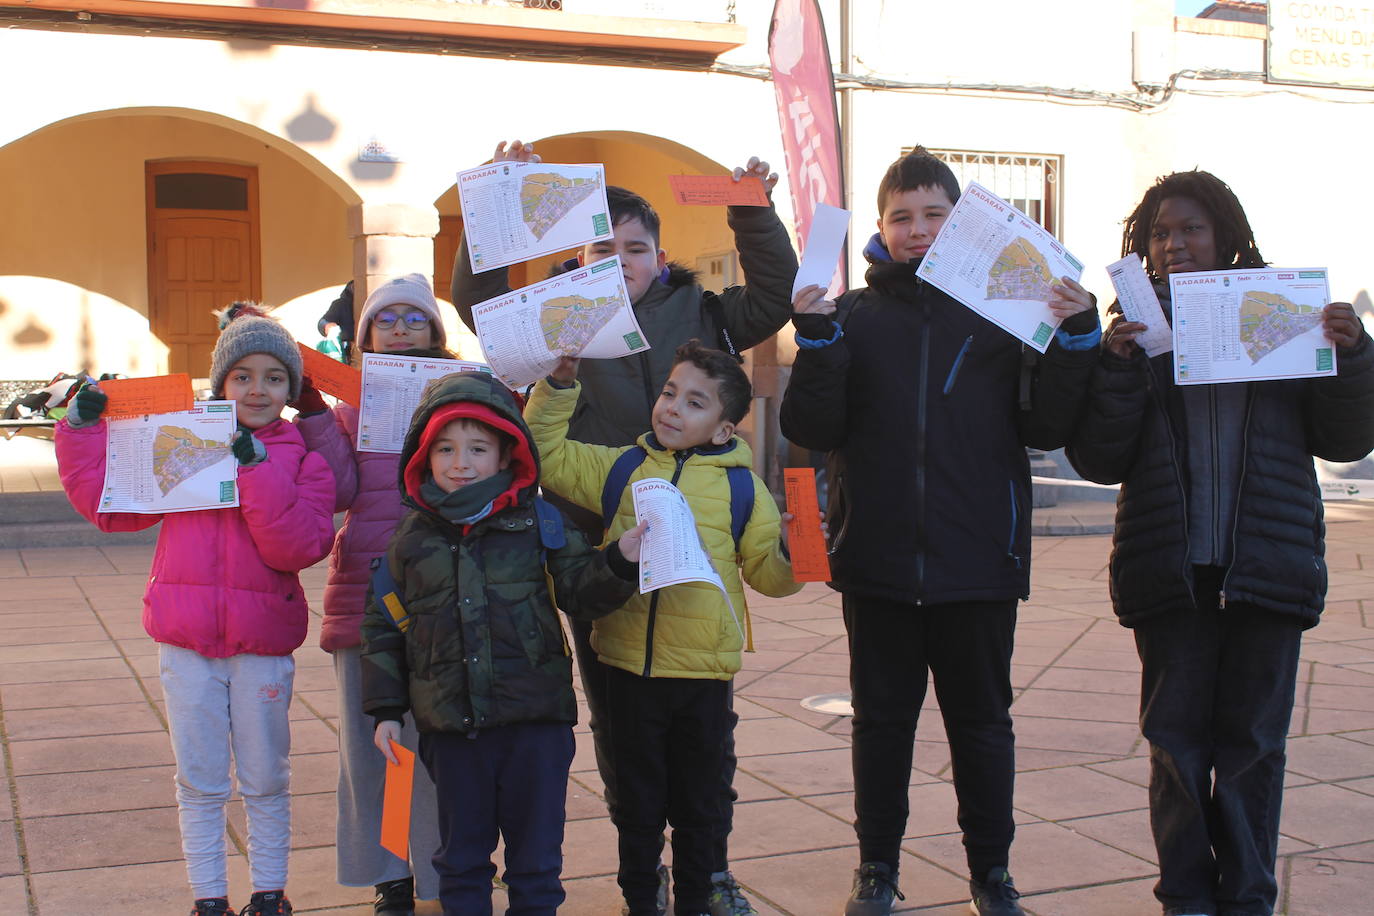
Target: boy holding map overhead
[618,395]
[926,409]
[1217,555]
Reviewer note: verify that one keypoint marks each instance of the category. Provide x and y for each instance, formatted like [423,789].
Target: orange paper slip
[806,543]
[718,191]
[331,376]
[135,397]
[400,778]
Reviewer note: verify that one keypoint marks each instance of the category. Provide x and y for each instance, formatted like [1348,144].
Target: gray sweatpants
[222,706]
[362,862]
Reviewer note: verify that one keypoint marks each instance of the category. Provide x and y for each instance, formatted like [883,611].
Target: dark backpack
[741,481]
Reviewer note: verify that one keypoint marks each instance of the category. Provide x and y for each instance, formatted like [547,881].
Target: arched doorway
[79,268]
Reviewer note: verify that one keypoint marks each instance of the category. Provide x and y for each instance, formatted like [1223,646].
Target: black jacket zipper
[922,393]
[681,459]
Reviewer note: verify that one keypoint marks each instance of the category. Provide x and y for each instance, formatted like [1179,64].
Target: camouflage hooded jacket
[485,646]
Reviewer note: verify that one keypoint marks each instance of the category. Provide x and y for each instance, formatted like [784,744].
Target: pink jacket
[368,487]
[223,581]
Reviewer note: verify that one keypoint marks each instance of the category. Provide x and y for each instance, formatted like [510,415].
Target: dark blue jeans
[1216,696]
[967,647]
[512,779]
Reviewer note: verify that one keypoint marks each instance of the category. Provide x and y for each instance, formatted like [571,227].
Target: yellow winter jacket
[685,630]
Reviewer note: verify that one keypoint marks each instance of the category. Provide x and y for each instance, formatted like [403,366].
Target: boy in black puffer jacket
[926,410]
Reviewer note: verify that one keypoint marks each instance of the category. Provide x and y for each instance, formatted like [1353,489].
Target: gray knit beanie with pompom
[246,329]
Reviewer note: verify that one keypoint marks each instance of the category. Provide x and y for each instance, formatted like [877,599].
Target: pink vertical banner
[805,85]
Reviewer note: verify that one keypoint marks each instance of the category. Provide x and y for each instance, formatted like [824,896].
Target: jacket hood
[875,252]
[673,275]
[483,397]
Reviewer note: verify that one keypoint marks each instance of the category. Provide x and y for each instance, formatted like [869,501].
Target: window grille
[1031,183]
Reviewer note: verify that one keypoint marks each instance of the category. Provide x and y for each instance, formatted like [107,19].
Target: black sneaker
[267,903]
[875,886]
[395,898]
[212,906]
[995,896]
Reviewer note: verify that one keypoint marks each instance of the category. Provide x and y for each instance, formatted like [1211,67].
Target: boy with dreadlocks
[1217,555]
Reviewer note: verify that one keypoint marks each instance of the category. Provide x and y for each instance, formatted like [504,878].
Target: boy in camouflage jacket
[482,664]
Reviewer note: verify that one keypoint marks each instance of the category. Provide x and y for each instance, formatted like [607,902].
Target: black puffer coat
[920,406]
[1133,433]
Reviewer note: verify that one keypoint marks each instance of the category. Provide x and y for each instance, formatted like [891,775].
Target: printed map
[1270,320]
[179,455]
[545,198]
[570,322]
[1020,272]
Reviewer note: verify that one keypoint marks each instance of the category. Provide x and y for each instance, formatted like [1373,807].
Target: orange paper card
[332,377]
[718,191]
[135,397]
[806,543]
[396,802]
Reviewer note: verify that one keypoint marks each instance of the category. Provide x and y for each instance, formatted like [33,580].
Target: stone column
[389,240]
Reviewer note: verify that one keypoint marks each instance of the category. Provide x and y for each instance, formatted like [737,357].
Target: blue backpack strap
[551,533]
[388,594]
[617,480]
[741,500]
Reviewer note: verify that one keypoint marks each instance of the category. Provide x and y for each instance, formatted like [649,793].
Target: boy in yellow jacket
[671,655]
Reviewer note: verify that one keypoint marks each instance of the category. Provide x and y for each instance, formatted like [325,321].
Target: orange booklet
[331,376]
[806,543]
[400,779]
[136,397]
[718,191]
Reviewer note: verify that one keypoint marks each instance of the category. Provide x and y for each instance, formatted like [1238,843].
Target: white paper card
[392,387]
[1250,325]
[999,262]
[584,312]
[672,552]
[172,462]
[1139,303]
[517,211]
[824,244]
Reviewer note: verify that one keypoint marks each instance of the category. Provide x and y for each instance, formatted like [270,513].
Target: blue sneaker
[875,886]
[995,896]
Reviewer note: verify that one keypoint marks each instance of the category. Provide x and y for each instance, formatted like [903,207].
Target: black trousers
[593,675]
[666,737]
[967,647]
[1216,695]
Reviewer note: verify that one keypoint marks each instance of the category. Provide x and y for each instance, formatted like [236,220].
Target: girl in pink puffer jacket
[225,604]
[402,317]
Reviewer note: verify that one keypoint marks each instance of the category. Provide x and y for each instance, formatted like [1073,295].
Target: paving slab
[91,773]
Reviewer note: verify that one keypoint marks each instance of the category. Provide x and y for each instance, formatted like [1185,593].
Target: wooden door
[202,254]
[202,265]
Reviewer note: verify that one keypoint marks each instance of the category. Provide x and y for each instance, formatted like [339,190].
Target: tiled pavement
[88,823]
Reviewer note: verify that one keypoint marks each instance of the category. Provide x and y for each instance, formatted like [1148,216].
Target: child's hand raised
[1068,298]
[565,373]
[1342,325]
[810,300]
[632,541]
[759,169]
[515,152]
[1120,337]
[387,732]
